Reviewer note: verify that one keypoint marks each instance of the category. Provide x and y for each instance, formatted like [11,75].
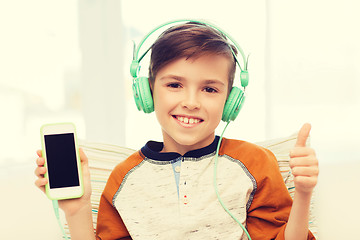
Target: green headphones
[141,86]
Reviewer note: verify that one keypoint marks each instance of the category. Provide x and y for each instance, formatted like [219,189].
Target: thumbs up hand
[303,163]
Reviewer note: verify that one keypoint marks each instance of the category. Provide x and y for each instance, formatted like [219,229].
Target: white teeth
[188,120]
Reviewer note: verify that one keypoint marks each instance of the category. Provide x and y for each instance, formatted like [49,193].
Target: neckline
[152,150]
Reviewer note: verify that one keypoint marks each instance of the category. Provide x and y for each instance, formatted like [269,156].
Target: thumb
[83,156]
[303,135]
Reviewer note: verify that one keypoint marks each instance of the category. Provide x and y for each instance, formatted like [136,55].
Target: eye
[174,85]
[210,90]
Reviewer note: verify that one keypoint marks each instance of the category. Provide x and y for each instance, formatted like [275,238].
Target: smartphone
[62,161]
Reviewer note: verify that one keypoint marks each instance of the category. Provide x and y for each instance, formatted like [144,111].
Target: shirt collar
[152,150]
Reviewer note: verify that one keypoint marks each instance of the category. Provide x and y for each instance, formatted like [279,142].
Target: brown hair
[189,40]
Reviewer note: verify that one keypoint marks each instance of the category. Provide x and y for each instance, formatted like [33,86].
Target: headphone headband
[134,68]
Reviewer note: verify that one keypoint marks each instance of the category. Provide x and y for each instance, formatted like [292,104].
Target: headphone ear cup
[142,95]
[233,104]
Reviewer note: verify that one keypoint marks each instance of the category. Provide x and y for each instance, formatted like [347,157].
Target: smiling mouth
[187,120]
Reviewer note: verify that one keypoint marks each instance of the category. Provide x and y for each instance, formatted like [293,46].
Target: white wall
[313,52]
[101,35]
[313,76]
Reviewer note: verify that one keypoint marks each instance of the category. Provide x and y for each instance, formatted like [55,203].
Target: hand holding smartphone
[62,161]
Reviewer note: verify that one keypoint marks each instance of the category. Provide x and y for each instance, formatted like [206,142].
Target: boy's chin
[196,142]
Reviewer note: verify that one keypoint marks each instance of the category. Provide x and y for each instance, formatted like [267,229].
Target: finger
[40,183]
[304,183]
[305,171]
[303,161]
[302,152]
[39,153]
[40,161]
[40,171]
[303,135]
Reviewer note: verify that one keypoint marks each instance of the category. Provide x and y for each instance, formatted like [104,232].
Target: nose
[191,100]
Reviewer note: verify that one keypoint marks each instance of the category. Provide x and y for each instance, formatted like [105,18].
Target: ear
[151,84]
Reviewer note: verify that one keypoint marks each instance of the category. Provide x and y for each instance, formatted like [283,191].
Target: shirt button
[177,169]
[185,200]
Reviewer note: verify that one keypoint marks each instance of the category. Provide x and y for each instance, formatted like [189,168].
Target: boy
[165,191]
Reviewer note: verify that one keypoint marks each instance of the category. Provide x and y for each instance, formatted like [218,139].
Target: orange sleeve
[269,211]
[271,205]
[110,226]
[109,223]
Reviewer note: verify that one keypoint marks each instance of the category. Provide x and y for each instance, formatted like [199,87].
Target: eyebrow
[211,81]
[171,76]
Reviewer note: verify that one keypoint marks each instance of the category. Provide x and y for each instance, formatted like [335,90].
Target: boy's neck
[171,145]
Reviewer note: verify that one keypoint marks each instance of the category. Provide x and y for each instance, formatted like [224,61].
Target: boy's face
[189,97]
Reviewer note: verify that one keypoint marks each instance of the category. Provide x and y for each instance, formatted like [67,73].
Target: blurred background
[69,61]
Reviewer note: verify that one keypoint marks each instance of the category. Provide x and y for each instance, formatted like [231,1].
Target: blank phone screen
[61,160]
